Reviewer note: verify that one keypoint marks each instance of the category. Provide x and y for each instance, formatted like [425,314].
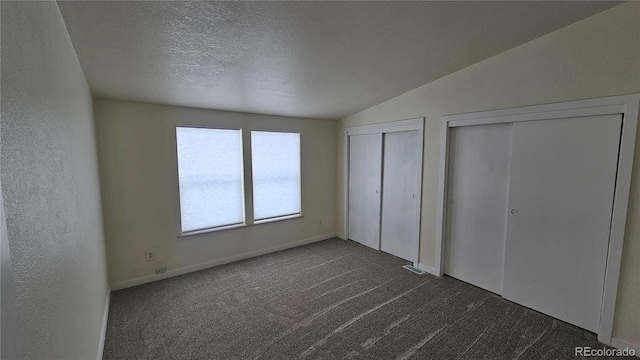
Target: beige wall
[50,187]
[596,57]
[138,167]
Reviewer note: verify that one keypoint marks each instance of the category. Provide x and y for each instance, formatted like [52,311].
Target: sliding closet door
[365,171]
[561,197]
[400,217]
[478,189]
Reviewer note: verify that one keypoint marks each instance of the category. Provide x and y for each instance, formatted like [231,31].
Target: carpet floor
[332,299]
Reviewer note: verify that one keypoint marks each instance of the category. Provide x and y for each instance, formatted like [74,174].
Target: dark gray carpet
[333,299]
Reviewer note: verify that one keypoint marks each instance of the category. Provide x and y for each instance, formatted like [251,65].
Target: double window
[213,186]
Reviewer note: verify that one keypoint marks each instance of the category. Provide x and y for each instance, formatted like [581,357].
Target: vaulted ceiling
[303,59]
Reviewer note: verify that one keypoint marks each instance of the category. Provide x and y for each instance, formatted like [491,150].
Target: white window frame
[219,227]
[627,105]
[247,175]
[280,217]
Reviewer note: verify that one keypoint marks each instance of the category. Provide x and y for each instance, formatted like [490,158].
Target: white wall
[10,330]
[596,57]
[139,179]
[50,186]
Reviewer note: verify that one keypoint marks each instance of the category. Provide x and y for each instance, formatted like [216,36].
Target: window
[210,178]
[276,174]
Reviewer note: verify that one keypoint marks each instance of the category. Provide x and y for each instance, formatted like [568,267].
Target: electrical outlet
[319,223]
[161,270]
[150,255]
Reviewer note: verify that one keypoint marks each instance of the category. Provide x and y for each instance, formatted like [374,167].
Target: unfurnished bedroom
[320,179]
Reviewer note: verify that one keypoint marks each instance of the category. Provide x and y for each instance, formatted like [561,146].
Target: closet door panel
[478,188]
[365,172]
[400,201]
[561,198]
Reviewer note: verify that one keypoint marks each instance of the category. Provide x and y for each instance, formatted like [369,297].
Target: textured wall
[139,179]
[11,341]
[50,186]
[596,57]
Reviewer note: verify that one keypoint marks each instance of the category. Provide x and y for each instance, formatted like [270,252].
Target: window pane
[210,175]
[276,174]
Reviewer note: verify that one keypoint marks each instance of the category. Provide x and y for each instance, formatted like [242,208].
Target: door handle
[514,211]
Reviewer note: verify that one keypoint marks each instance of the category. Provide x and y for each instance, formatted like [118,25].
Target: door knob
[414,196]
[514,211]
[450,201]
[377,191]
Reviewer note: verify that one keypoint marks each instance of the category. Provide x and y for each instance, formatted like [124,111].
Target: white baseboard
[428,269]
[206,265]
[105,317]
[341,236]
[622,344]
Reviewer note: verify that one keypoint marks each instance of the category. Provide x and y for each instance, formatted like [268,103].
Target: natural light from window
[276,174]
[210,177]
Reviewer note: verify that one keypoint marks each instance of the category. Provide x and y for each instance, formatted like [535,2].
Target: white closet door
[561,197]
[400,201]
[478,192]
[365,172]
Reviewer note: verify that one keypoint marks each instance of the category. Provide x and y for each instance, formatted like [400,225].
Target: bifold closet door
[478,189]
[365,177]
[561,194]
[399,228]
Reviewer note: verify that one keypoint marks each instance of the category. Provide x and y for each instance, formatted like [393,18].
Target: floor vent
[414,269]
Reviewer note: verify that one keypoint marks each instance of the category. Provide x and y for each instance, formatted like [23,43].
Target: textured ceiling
[303,59]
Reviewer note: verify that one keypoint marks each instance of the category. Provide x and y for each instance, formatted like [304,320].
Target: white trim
[105,317]
[443,170]
[627,105]
[345,201]
[622,344]
[428,269]
[590,111]
[571,105]
[236,226]
[416,124]
[210,230]
[341,236]
[208,264]
[389,126]
[246,158]
[247,177]
[416,259]
[380,129]
[277,218]
[619,217]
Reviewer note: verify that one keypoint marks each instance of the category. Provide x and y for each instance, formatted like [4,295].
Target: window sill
[279,218]
[209,230]
[236,226]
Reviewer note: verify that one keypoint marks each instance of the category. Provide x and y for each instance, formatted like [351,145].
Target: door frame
[416,124]
[627,105]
